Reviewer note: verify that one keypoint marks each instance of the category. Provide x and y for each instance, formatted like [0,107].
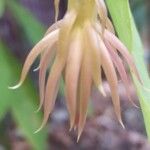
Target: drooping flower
[79,46]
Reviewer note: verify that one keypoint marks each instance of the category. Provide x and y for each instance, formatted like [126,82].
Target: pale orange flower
[81,45]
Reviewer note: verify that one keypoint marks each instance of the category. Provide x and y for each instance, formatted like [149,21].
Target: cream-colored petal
[72,74]
[56,4]
[121,69]
[85,91]
[64,35]
[112,79]
[96,59]
[117,44]
[51,90]
[54,27]
[102,12]
[109,26]
[46,59]
[85,86]
[58,66]
[38,49]
[101,8]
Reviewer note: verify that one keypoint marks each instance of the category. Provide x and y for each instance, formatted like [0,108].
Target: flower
[80,46]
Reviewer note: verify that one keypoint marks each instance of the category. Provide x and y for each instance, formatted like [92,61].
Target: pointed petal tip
[101,89]
[71,125]
[37,110]
[80,130]
[15,87]
[75,127]
[78,138]
[36,69]
[39,129]
[134,105]
[121,122]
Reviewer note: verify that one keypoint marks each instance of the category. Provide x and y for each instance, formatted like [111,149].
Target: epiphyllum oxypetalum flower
[81,44]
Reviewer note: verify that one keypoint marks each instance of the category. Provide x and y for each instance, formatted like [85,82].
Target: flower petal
[120,67]
[102,12]
[117,44]
[72,74]
[112,79]
[85,87]
[96,59]
[46,59]
[56,4]
[54,27]
[58,66]
[38,48]
[51,90]
[109,26]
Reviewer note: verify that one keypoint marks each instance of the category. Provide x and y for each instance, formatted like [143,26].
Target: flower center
[86,10]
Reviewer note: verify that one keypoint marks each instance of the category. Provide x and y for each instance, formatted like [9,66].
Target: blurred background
[22,24]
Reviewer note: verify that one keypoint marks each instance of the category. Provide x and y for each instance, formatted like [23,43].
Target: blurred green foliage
[2,7]
[31,26]
[21,102]
[139,12]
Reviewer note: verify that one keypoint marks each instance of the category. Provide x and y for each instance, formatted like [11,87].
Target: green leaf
[32,27]
[2,7]
[20,101]
[127,32]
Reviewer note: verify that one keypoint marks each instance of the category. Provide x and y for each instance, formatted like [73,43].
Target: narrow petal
[85,87]
[64,35]
[112,79]
[54,27]
[46,59]
[85,91]
[121,69]
[56,4]
[51,90]
[109,26]
[96,59]
[72,74]
[58,66]
[102,12]
[38,49]
[117,44]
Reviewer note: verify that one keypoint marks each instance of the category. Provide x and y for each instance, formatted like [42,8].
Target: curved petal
[51,90]
[120,67]
[102,12]
[46,59]
[56,4]
[96,59]
[38,49]
[117,44]
[53,27]
[109,26]
[72,74]
[85,86]
[65,34]
[112,79]
[58,66]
